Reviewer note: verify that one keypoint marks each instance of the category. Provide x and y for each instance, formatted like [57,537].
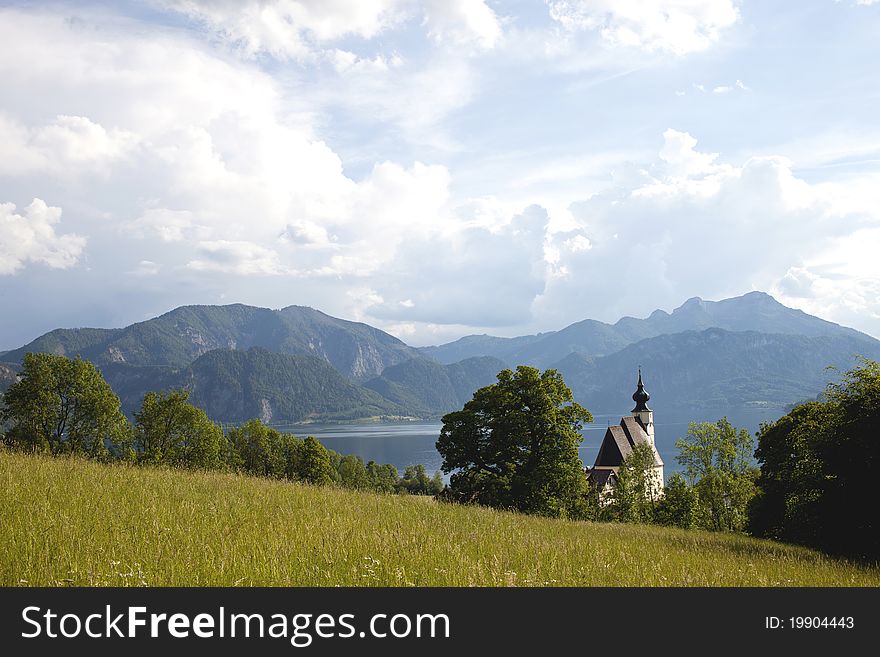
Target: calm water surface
[408,443]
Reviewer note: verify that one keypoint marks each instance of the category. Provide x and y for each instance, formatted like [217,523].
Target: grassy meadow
[79,523]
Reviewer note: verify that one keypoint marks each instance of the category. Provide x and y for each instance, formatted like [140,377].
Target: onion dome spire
[641,396]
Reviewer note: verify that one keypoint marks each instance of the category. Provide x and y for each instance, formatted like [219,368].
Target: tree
[353,473]
[635,494]
[515,445]
[258,449]
[717,462]
[172,431]
[679,506]
[415,481]
[64,405]
[383,478]
[313,463]
[819,467]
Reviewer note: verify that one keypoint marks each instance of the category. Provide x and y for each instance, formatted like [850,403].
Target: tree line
[64,406]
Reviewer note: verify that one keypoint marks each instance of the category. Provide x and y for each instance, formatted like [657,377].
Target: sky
[437,168]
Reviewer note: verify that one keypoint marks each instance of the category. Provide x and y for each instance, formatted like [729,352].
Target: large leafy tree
[313,464]
[170,430]
[383,477]
[262,451]
[819,469]
[63,405]
[717,460]
[515,445]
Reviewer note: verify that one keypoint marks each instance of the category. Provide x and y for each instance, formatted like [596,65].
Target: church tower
[618,444]
[641,412]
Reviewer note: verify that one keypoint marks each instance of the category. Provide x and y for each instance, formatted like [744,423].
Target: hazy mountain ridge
[755,311]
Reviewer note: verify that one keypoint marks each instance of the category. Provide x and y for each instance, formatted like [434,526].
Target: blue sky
[437,168]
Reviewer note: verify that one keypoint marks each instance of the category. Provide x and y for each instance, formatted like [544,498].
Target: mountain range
[755,311]
[298,364]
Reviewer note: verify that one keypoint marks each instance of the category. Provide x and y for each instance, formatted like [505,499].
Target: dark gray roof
[619,441]
[614,449]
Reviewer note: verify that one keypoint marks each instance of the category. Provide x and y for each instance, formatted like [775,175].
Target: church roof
[619,441]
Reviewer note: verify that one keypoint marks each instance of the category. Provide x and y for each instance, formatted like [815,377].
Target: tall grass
[73,522]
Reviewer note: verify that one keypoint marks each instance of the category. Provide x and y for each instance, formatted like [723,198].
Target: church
[619,441]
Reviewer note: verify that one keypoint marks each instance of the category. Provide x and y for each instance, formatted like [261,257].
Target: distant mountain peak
[690,304]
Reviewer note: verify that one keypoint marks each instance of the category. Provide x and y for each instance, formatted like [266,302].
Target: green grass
[73,522]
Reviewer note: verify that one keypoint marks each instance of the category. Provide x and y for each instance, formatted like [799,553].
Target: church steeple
[641,396]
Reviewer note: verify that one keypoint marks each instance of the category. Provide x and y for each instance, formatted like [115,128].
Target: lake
[407,443]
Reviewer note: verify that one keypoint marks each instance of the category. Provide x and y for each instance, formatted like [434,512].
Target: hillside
[425,388]
[237,385]
[179,528]
[178,337]
[755,311]
[715,368]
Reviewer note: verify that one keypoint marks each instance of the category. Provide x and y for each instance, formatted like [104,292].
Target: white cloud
[462,22]
[30,236]
[220,170]
[239,257]
[69,145]
[676,26]
[290,28]
[145,268]
[681,157]
[167,225]
[303,29]
[727,88]
[472,276]
[413,99]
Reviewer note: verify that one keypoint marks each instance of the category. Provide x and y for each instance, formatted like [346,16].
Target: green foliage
[819,470]
[635,494]
[64,406]
[313,464]
[172,431]
[717,462]
[679,506]
[353,473]
[515,445]
[415,481]
[383,478]
[262,451]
